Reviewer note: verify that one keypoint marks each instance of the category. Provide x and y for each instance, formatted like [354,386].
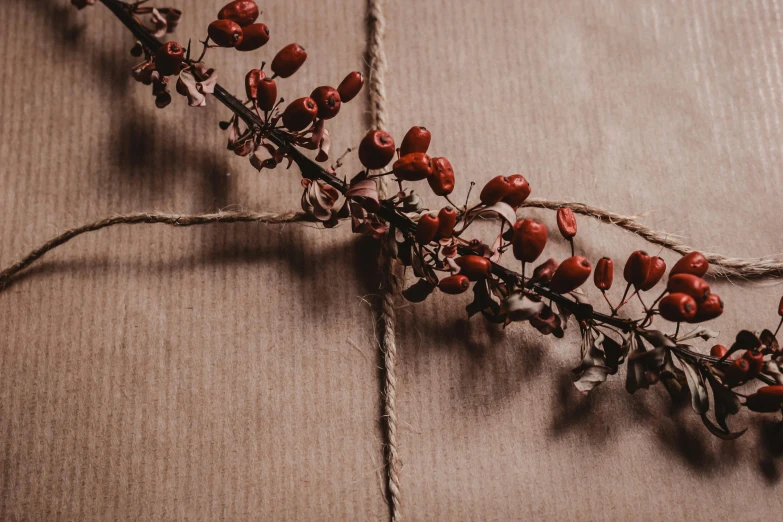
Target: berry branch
[435,244]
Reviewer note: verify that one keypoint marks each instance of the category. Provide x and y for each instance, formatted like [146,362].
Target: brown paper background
[229,372]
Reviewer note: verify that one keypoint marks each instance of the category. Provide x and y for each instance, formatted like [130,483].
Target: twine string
[720,265]
[390,282]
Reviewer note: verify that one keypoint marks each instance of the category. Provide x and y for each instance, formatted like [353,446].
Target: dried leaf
[501,209]
[187,84]
[593,370]
[365,192]
[657,339]
[482,301]
[768,339]
[323,147]
[725,435]
[592,377]
[700,400]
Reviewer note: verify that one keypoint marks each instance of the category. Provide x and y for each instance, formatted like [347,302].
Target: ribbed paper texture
[230,373]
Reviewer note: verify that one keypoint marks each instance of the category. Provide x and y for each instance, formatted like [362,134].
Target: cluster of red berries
[377,149]
[236,27]
[437,243]
[323,103]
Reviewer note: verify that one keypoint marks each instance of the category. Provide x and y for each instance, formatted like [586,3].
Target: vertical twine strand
[376,61]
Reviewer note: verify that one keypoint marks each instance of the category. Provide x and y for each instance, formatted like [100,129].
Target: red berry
[657,269]
[254,37]
[711,308]
[243,12]
[474,267]
[694,263]
[299,114]
[678,307]
[455,284]
[350,86]
[426,228]
[755,362]
[636,268]
[571,274]
[737,372]
[225,33]
[376,149]
[520,190]
[543,273]
[169,58]
[252,79]
[328,101]
[690,284]
[288,60]
[447,219]
[566,222]
[604,274]
[767,399]
[417,139]
[529,240]
[267,94]
[413,167]
[780,307]
[442,179]
[495,190]
[718,350]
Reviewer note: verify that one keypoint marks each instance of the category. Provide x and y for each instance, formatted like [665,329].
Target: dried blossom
[159,24]
[322,201]
[363,222]
[196,90]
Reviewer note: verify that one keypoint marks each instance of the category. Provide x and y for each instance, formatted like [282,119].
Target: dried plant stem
[177,220]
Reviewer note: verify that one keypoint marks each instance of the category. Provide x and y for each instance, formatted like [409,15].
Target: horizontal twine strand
[177,220]
[720,265]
